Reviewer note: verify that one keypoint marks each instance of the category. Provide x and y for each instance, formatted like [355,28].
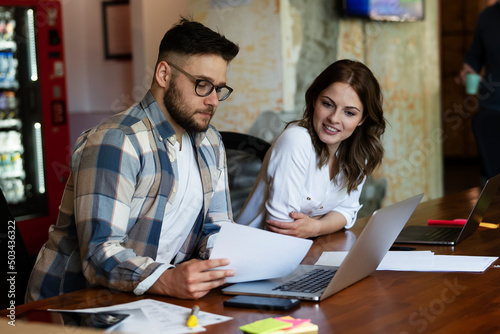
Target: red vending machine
[34,130]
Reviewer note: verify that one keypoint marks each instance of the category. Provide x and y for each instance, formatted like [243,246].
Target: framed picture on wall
[116,29]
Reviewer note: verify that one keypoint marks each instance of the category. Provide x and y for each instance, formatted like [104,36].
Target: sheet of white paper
[257,254]
[460,263]
[159,317]
[418,261]
[133,324]
[406,260]
[393,260]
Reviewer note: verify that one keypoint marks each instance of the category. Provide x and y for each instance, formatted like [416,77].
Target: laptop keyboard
[443,234]
[310,282]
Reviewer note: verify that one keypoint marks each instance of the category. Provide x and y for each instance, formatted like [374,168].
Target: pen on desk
[193,317]
[394,248]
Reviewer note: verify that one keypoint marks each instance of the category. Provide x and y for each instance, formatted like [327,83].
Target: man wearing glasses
[148,187]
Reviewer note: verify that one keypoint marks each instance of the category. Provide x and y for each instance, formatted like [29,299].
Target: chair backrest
[269,125]
[245,154]
[17,265]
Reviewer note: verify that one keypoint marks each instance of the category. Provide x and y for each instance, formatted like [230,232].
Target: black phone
[100,320]
[262,303]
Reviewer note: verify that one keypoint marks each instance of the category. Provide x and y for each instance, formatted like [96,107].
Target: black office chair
[245,154]
[485,125]
[17,264]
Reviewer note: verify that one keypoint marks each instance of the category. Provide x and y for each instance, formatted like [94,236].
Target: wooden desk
[385,302]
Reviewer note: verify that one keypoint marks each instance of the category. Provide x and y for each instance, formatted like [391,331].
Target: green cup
[472,83]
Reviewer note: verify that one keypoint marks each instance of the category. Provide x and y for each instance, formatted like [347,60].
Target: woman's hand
[304,226]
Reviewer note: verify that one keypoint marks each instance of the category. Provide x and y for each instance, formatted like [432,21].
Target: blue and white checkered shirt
[123,179]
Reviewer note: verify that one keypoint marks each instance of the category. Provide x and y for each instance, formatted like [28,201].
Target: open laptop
[448,235]
[362,260]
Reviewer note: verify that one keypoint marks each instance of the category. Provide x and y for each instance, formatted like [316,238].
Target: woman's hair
[362,152]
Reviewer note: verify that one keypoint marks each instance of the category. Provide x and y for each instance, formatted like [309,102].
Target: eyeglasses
[204,88]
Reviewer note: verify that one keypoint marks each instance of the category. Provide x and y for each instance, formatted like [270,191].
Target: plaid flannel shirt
[122,181]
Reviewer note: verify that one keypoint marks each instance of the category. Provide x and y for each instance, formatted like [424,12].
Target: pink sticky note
[295,322]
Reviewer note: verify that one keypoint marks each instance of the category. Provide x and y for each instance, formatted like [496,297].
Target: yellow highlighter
[193,317]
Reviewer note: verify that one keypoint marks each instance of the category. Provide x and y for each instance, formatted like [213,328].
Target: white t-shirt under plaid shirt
[186,205]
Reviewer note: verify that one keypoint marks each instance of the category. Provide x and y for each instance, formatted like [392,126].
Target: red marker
[454,222]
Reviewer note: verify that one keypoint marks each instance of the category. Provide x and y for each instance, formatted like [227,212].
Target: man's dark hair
[193,38]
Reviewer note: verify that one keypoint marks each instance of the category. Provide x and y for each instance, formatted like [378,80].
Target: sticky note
[295,322]
[265,326]
[304,328]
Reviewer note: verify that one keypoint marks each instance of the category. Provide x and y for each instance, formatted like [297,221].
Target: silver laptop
[362,260]
[448,235]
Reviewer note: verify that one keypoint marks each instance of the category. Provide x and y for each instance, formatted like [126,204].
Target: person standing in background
[484,55]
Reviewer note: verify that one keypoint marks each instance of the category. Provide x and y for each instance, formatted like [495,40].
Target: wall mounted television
[384,10]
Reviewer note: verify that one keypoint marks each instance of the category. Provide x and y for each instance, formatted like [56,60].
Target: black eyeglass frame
[198,81]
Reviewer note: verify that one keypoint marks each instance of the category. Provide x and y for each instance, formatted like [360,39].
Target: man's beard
[178,110]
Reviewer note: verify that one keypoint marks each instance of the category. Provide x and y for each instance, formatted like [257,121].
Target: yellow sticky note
[488,225]
[265,326]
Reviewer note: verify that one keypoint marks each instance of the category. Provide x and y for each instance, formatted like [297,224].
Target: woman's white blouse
[289,180]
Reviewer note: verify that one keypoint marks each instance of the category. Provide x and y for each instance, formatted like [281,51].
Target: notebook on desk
[362,260]
[446,235]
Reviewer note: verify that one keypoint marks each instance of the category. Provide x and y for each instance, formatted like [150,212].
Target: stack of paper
[152,317]
[418,261]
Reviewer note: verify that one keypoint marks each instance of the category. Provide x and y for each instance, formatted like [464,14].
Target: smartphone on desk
[101,320]
[262,303]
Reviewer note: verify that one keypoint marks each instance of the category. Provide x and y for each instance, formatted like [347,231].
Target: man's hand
[192,279]
[460,78]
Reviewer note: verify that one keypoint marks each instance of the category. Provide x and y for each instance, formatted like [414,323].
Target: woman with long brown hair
[312,176]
